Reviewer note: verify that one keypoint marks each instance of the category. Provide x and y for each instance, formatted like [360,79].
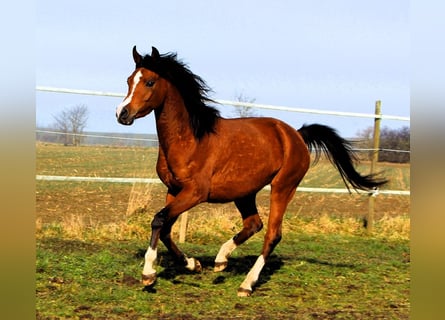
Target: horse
[204,157]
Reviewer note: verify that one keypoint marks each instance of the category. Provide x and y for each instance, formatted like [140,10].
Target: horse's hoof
[198,266]
[220,266]
[148,280]
[244,292]
[193,264]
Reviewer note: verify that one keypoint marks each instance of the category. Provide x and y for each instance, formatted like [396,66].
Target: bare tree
[244,111]
[61,124]
[72,122]
[393,141]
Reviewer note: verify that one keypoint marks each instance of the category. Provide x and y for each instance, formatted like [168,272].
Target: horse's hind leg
[278,202]
[251,224]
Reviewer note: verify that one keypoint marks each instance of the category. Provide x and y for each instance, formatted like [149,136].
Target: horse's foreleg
[149,272]
[191,264]
[161,229]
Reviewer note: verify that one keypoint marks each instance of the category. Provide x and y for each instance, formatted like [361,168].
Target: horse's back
[273,137]
[247,153]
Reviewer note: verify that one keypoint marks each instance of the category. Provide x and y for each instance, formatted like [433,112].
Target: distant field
[91,238]
[106,202]
[103,161]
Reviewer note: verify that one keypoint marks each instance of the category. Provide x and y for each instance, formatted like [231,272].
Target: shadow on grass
[173,271]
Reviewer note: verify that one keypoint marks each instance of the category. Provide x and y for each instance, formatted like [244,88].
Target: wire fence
[155,141]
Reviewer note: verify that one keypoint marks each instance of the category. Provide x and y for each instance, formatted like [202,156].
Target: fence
[377,116]
[157,181]
[238,104]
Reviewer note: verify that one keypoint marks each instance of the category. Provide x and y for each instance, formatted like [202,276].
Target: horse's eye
[150,83]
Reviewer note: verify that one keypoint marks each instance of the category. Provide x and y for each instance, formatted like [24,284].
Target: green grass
[307,277]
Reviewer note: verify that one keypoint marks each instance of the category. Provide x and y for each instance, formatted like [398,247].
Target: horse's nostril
[124,113]
[124,117]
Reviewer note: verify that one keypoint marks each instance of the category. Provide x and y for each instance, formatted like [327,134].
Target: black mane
[193,89]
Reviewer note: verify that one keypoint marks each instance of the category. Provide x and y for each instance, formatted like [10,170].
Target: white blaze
[137,77]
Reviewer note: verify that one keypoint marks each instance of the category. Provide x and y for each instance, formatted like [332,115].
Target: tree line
[394,143]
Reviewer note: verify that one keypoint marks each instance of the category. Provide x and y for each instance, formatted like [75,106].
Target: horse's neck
[173,123]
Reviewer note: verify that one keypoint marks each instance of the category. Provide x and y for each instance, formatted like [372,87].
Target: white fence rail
[237,104]
[157,181]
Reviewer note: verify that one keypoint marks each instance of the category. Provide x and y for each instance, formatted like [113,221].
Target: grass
[101,161]
[91,238]
[308,276]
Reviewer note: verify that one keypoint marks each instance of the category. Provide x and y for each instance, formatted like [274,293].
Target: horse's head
[146,91]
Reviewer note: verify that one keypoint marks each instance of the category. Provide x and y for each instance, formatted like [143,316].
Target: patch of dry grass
[307,213]
[140,197]
[219,222]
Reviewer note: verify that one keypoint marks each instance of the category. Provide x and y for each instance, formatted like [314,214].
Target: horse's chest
[166,175]
[173,174]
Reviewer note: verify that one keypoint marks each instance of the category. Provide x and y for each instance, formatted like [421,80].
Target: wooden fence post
[374,160]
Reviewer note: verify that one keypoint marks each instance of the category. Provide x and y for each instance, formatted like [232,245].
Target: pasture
[91,238]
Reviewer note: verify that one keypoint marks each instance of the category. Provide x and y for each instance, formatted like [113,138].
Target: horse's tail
[323,139]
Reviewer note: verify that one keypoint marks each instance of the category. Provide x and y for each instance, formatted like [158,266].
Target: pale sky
[328,55]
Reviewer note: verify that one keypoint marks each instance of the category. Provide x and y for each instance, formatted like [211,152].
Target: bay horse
[204,157]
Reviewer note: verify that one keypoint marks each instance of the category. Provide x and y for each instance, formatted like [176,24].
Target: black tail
[339,152]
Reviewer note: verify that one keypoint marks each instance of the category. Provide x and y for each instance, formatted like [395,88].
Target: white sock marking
[150,258]
[254,273]
[190,264]
[225,251]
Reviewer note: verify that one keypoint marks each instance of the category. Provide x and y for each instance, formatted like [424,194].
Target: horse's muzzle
[124,117]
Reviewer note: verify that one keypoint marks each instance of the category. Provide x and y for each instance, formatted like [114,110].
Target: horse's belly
[229,190]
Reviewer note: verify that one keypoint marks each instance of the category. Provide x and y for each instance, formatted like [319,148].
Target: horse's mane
[193,89]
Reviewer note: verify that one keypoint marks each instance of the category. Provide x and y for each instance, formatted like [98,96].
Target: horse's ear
[136,56]
[154,53]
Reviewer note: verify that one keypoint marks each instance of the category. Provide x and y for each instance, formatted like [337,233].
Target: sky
[328,55]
